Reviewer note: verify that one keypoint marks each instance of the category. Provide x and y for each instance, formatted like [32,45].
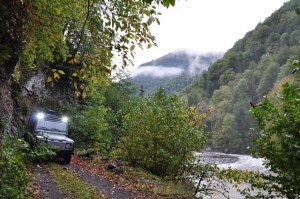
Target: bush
[14,152]
[87,125]
[278,142]
[161,134]
[13,177]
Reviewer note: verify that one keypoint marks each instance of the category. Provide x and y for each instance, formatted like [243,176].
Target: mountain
[257,65]
[173,71]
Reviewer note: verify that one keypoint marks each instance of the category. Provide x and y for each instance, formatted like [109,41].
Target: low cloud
[192,52]
[156,71]
[198,62]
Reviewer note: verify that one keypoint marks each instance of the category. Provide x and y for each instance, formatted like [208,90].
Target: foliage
[214,180]
[13,177]
[242,115]
[208,182]
[119,99]
[99,122]
[87,126]
[278,141]
[166,3]
[14,153]
[76,40]
[161,134]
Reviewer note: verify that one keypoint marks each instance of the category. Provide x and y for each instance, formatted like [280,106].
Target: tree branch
[82,30]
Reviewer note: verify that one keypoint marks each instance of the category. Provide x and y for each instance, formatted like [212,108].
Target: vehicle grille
[59,144]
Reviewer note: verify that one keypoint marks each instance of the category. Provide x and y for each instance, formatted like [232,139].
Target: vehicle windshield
[51,126]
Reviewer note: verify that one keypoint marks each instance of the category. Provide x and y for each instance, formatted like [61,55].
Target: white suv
[48,127]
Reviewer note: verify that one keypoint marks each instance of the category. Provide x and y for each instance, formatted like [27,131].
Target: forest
[246,102]
[256,66]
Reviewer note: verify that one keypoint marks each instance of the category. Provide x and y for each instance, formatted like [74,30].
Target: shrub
[14,152]
[161,134]
[278,142]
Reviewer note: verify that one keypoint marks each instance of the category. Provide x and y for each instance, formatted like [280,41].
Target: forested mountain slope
[173,71]
[246,73]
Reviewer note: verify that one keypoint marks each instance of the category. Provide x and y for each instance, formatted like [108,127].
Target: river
[241,162]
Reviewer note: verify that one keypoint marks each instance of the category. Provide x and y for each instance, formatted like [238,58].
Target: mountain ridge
[180,66]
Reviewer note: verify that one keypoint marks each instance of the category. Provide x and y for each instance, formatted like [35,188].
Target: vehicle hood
[58,137]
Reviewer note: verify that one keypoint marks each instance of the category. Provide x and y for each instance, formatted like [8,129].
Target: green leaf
[172,2]
[61,72]
[148,1]
[297,11]
[147,12]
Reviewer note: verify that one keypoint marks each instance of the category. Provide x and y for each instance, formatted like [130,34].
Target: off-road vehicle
[48,127]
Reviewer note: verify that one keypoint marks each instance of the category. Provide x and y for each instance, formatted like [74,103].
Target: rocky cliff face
[6,111]
[18,101]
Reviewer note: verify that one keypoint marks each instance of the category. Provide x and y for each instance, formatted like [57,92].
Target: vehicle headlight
[64,119]
[40,115]
[68,146]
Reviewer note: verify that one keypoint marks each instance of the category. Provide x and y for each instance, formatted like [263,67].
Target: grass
[72,185]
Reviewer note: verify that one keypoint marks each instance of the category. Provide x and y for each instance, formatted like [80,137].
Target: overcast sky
[205,25]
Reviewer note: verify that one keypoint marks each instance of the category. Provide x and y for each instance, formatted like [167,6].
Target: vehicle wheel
[67,159]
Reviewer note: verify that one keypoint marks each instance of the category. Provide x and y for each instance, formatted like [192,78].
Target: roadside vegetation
[151,139]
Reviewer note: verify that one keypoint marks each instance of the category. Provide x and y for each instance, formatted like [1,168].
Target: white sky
[205,25]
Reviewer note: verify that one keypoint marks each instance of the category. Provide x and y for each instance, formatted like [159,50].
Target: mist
[197,63]
[157,71]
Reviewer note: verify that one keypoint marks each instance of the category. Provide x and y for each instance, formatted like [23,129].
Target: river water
[241,162]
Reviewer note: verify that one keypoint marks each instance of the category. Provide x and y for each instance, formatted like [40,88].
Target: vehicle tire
[67,159]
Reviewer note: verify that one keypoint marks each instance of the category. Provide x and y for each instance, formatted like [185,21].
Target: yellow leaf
[77,93]
[75,85]
[77,56]
[49,79]
[132,47]
[83,95]
[74,74]
[149,46]
[53,70]
[84,64]
[61,72]
[157,21]
[56,75]
[149,22]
